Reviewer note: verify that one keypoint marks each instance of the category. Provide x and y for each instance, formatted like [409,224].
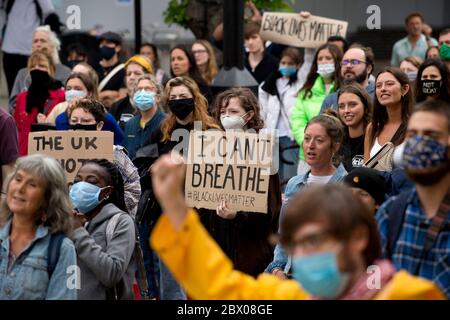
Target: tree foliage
[176,12]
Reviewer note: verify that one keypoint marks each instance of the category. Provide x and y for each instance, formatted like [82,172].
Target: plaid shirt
[408,250]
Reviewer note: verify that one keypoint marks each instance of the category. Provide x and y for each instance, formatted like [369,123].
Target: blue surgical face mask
[85,196]
[144,100]
[73,94]
[319,275]
[287,71]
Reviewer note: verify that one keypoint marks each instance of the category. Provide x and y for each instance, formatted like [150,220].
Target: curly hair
[56,212]
[95,107]
[115,180]
[248,101]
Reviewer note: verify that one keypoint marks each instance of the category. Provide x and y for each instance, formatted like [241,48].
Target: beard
[359,78]
[428,176]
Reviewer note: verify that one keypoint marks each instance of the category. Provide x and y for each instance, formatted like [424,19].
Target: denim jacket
[296,184]
[28,279]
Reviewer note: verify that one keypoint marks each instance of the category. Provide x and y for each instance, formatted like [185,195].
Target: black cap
[368,180]
[112,37]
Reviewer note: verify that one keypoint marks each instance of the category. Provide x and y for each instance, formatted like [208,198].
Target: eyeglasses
[199,51]
[353,62]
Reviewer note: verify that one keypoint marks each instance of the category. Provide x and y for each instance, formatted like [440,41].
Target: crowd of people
[363,177]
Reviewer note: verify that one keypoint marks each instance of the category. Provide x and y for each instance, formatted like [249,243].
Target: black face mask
[181,108]
[107,52]
[40,78]
[72,63]
[85,127]
[431,87]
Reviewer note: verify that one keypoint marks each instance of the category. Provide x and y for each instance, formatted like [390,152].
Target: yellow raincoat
[200,266]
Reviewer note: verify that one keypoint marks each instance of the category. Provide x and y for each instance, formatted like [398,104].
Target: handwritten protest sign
[72,148]
[293,30]
[231,166]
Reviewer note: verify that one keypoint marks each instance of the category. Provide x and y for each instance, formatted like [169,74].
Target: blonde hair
[211,70]
[200,109]
[40,56]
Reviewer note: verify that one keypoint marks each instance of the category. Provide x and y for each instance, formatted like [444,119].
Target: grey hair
[53,38]
[57,206]
[152,79]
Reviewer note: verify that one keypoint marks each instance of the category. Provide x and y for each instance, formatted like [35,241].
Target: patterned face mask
[423,152]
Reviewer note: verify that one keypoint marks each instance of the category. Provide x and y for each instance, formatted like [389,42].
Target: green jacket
[307,108]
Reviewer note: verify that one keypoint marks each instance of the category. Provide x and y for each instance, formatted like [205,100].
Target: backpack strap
[141,276]
[396,213]
[54,248]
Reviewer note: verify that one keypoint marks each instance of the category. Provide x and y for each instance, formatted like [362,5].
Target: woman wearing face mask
[106,261]
[187,105]
[124,109]
[87,78]
[433,81]
[243,236]
[182,64]
[88,114]
[323,139]
[34,218]
[391,111]
[410,66]
[44,93]
[277,96]
[332,242]
[354,109]
[77,86]
[147,99]
[323,78]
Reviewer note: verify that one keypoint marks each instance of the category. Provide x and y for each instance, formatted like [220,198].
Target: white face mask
[232,122]
[326,70]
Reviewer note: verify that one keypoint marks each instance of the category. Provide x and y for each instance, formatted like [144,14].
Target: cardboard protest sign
[72,148]
[230,166]
[293,30]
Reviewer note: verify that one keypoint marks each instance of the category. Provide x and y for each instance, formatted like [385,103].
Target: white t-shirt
[22,21]
[312,179]
[283,129]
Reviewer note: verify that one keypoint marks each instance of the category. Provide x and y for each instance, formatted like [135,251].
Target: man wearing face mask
[357,66]
[414,225]
[146,98]
[335,245]
[111,71]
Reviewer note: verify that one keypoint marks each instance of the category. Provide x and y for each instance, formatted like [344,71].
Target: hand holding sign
[225,212]
[300,30]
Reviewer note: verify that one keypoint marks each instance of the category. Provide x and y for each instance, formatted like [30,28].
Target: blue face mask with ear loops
[85,196]
[287,71]
[319,275]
